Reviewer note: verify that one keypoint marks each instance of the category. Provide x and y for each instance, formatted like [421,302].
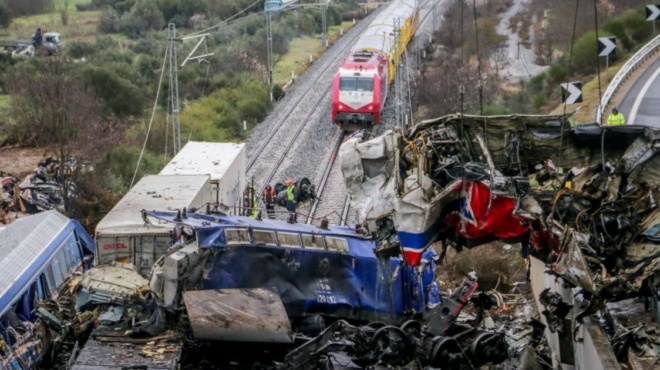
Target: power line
[153,114]
[568,73]
[476,36]
[600,97]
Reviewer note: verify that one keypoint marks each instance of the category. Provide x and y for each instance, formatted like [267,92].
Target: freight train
[360,87]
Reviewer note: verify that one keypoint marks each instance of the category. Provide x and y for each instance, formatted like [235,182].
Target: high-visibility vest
[266,195]
[290,196]
[616,120]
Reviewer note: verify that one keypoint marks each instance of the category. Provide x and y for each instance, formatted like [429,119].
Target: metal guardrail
[628,68]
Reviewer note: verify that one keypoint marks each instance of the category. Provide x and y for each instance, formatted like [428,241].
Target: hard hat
[614,110]
[289,181]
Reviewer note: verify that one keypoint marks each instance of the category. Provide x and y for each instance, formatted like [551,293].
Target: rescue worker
[616,118]
[37,38]
[291,200]
[255,203]
[268,198]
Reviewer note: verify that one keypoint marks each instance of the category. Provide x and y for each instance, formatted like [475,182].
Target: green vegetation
[113,61]
[542,93]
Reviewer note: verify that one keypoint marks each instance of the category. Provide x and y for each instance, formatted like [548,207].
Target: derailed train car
[313,273]
[581,200]
[38,255]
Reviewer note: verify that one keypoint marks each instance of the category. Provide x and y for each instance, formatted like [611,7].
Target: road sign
[652,12]
[571,92]
[606,46]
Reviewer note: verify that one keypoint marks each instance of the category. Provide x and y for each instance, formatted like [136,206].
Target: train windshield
[356,84]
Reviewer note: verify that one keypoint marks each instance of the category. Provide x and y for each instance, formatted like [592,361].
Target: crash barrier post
[636,61]
[589,348]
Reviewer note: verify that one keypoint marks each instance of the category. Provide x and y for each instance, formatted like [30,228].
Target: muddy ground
[20,161]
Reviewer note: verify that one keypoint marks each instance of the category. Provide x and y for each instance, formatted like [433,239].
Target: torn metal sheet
[115,279]
[241,315]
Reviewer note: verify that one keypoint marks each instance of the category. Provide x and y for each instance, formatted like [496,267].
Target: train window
[42,287]
[64,266]
[57,273]
[348,84]
[365,84]
[264,237]
[237,236]
[291,240]
[74,250]
[313,241]
[337,244]
[50,279]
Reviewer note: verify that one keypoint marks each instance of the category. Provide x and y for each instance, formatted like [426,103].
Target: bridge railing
[641,56]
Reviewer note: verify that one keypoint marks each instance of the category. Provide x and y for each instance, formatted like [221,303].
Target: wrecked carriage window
[337,244]
[313,241]
[237,236]
[267,238]
[289,240]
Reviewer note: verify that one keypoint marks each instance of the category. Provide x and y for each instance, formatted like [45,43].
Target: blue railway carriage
[329,272]
[38,254]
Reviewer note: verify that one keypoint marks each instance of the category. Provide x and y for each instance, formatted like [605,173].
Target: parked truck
[42,42]
[223,162]
[122,234]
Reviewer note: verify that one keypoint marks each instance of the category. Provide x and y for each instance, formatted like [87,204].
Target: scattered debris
[581,199]
[39,191]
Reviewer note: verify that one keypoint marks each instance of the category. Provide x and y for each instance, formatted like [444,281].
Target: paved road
[641,106]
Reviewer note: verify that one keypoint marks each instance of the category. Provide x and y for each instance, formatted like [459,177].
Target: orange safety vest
[272,195]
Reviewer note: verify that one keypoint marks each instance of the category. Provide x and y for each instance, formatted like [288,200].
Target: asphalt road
[641,106]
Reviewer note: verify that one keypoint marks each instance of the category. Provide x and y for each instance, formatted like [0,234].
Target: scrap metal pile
[582,199]
[39,191]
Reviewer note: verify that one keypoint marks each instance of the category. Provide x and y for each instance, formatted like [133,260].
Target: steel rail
[326,176]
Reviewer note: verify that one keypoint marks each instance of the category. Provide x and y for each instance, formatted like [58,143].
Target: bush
[109,21]
[145,15]
[278,92]
[84,7]
[78,49]
[121,96]
[490,262]
[585,53]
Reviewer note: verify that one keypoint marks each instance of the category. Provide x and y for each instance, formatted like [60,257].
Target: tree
[56,111]
[6,15]
[145,15]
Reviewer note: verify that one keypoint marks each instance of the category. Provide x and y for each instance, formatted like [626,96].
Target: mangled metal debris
[581,199]
[39,191]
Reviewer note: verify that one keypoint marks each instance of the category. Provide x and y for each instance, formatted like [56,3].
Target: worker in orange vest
[268,197]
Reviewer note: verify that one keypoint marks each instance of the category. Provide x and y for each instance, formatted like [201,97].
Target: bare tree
[53,108]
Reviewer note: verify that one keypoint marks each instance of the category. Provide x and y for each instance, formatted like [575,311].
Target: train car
[360,87]
[38,254]
[312,273]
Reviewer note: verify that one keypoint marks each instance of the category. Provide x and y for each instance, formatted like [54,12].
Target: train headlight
[371,107]
[341,106]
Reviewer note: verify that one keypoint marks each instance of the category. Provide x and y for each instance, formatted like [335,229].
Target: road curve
[641,105]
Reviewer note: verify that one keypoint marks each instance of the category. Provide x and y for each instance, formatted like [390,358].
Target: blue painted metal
[351,284]
[32,271]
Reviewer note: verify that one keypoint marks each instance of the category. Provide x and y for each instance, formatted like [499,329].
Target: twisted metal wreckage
[39,191]
[582,199]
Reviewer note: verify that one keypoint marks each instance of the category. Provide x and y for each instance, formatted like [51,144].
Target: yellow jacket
[616,120]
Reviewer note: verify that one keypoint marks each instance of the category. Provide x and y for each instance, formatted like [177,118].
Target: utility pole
[324,23]
[174,89]
[269,47]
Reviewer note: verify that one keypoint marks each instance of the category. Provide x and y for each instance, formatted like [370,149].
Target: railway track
[266,161]
[332,202]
